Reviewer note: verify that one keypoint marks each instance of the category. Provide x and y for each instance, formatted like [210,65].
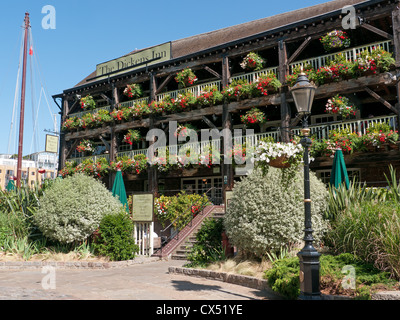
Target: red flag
[30,51]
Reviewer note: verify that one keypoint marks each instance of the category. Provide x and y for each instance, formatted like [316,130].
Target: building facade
[35,169]
[141,91]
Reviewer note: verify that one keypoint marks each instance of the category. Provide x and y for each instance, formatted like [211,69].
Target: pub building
[140,91]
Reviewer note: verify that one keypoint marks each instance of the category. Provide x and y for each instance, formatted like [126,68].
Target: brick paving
[142,279]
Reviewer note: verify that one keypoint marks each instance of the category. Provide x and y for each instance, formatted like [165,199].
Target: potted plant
[340,105]
[132,136]
[336,39]
[186,77]
[252,61]
[133,90]
[253,116]
[88,103]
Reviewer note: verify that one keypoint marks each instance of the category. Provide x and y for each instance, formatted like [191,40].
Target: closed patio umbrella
[118,190]
[10,185]
[339,172]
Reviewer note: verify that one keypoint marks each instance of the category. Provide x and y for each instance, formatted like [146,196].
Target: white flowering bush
[265,215]
[72,208]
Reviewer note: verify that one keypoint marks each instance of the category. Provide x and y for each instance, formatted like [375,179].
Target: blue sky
[92,32]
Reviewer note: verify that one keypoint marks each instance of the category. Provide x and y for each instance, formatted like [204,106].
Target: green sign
[136,60]
[51,143]
[143,207]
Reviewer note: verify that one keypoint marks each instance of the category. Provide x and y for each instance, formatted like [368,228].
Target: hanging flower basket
[340,105]
[86,146]
[184,130]
[133,136]
[88,103]
[279,155]
[133,90]
[186,77]
[252,62]
[336,39]
[254,116]
[280,162]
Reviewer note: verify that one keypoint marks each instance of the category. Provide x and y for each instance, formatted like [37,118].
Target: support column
[63,144]
[227,168]
[396,45]
[285,109]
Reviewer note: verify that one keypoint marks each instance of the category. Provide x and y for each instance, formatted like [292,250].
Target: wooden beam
[381,100]
[226,74]
[106,98]
[283,71]
[165,82]
[377,31]
[213,72]
[299,50]
[209,122]
[72,148]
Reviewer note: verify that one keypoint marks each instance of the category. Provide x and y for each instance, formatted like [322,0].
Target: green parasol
[10,185]
[339,171]
[118,189]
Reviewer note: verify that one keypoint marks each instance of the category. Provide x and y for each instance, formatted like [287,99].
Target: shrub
[116,237]
[283,277]
[208,246]
[265,215]
[72,208]
[371,230]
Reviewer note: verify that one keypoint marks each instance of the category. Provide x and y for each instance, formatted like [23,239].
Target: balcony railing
[359,126]
[350,54]
[320,131]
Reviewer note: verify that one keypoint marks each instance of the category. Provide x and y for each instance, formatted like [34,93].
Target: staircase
[179,246]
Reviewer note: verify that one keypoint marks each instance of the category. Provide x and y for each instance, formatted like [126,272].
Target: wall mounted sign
[51,143]
[135,60]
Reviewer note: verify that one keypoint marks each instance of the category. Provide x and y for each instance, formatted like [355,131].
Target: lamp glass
[303,94]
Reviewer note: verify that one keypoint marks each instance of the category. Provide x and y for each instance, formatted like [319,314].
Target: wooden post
[285,110]
[227,169]
[396,45]
[152,174]
[63,145]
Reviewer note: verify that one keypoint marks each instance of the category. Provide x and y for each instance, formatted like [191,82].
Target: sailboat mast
[21,121]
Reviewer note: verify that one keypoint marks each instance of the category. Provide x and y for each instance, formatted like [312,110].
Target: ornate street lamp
[303,95]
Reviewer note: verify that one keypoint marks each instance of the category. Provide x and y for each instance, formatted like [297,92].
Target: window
[325,175]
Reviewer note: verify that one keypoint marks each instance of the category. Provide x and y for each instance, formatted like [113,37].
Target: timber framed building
[285,41]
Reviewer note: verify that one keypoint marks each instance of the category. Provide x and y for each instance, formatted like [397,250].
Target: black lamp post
[303,95]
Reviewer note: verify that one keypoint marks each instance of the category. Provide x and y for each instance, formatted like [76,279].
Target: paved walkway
[147,281]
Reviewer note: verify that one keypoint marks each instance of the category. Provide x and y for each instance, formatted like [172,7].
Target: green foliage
[283,277]
[116,237]
[371,230]
[72,208]
[208,247]
[264,215]
[179,209]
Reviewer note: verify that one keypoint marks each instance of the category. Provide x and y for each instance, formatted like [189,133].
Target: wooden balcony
[316,62]
[320,131]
